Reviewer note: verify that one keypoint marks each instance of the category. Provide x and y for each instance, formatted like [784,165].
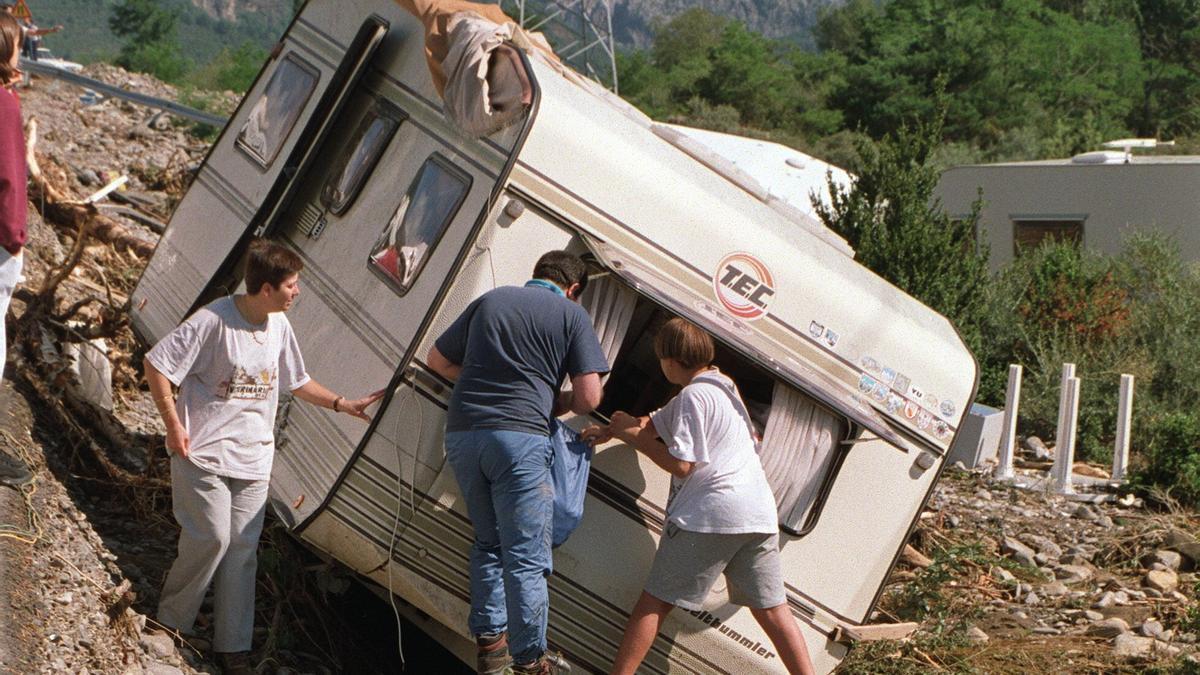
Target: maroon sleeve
[13,177]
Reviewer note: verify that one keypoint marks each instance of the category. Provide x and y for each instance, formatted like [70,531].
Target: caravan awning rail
[673,295]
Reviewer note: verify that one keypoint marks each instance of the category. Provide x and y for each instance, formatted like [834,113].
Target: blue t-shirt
[516,345]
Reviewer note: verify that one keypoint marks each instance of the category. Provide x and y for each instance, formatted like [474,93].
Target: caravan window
[802,441]
[418,223]
[359,157]
[277,109]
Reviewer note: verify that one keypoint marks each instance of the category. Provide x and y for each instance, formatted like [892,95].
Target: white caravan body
[341,151]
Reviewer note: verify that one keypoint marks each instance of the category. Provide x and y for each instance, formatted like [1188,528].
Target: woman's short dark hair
[10,43]
[269,263]
[562,268]
[685,343]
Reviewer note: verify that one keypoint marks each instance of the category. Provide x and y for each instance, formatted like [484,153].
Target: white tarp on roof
[787,174]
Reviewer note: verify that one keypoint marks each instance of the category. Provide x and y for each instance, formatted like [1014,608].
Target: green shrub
[1172,455]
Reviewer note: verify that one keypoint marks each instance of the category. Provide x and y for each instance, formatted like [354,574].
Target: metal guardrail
[117,92]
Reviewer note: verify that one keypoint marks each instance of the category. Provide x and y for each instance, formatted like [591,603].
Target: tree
[900,231]
[151,43]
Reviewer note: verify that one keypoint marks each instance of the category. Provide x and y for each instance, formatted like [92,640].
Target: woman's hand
[358,406]
[178,440]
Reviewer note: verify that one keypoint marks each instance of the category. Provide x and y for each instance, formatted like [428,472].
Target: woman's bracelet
[335,404]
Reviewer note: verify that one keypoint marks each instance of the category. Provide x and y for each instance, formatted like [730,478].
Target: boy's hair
[269,263]
[562,268]
[10,43]
[685,343]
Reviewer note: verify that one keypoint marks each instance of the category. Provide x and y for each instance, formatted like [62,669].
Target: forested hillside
[87,36]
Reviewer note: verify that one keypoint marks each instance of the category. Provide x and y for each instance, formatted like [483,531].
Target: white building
[1096,198]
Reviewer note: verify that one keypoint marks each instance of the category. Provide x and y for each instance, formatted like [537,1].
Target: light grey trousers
[10,276]
[220,520]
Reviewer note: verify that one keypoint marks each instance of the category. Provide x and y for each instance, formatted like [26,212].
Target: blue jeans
[504,477]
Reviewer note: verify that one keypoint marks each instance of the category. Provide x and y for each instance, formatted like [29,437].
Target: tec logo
[743,285]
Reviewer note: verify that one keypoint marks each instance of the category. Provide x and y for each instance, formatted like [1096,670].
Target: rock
[1163,581]
[1037,447]
[1018,551]
[1032,599]
[1175,538]
[1151,628]
[1046,630]
[65,599]
[1073,559]
[88,178]
[1044,545]
[1085,512]
[1092,615]
[1112,599]
[976,635]
[156,668]
[1129,645]
[1105,522]
[1108,628]
[158,644]
[1191,554]
[1084,469]
[1003,574]
[1073,574]
[1054,589]
[1170,560]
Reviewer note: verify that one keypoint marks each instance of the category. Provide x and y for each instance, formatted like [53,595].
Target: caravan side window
[359,157]
[277,109]
[418,223]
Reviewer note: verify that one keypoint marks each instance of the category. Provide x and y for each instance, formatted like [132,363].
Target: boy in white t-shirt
[721,515]
[230,360]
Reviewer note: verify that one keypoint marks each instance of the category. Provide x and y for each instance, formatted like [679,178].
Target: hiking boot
[13,472]
[235,663]
[492,657]
[551,663]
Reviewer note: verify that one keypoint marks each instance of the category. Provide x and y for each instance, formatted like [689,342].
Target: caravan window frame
[292,112]
[381,245]
[380,109]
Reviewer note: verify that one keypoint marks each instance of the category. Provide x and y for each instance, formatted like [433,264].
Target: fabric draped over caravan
[797,452]
[610,303]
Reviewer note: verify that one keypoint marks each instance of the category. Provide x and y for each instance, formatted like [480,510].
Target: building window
[1028,234]
[275,112]
[418,223]
[361,154]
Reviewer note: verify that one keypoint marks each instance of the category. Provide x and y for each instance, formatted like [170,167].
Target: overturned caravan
[343,151]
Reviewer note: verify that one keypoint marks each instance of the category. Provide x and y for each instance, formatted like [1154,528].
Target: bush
[1172,456]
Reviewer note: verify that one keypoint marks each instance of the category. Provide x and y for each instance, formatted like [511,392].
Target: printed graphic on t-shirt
[245,386]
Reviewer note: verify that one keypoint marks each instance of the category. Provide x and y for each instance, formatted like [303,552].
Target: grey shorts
[688,563]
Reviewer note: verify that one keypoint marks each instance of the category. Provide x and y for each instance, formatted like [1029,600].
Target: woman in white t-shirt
[721,515]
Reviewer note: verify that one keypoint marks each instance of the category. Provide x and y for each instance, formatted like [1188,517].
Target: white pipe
[1064,453]
[1124,417]
[1012,400]
[1068,371]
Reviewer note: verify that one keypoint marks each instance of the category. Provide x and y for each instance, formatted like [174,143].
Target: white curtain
[797,452]
[610,303]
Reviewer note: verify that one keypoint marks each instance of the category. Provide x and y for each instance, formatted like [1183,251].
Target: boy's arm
[641,434]
[164,400]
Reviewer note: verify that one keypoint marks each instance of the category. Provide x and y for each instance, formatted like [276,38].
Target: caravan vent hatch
[1099,157]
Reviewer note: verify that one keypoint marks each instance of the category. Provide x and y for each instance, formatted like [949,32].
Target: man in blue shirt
[508,354]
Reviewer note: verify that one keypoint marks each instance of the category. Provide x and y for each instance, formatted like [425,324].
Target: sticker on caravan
[744,285]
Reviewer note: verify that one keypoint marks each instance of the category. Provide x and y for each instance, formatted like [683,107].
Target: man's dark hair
[269,263]
[562,268]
